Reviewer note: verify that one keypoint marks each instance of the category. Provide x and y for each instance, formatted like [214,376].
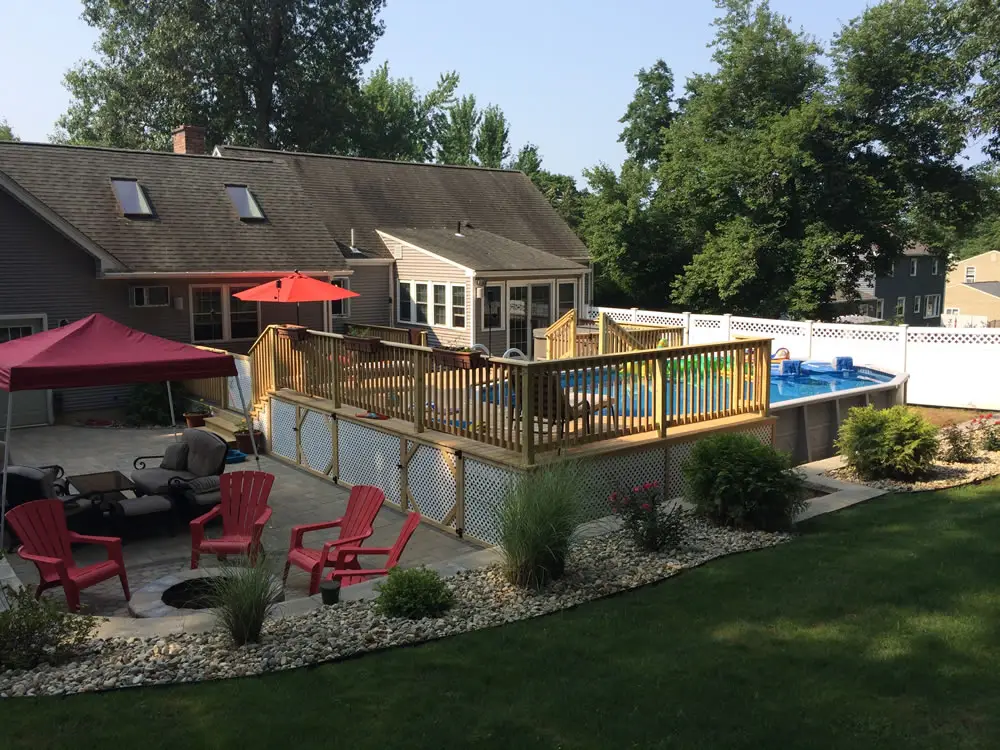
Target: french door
[529,306]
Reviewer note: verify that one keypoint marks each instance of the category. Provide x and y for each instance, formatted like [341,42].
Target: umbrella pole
[6,461]
[297,313]
[173,419]
[250,424]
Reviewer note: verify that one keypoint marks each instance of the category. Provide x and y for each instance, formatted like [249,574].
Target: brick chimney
[189,139]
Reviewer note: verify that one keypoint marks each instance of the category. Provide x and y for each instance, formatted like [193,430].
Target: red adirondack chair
[244,512]
[355,526]
[346,568]
[45,541]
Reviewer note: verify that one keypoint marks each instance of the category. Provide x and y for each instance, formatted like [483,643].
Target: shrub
[413,593]
[243,597]
[148,404]
[33,631]
[897,443]
[734,479]
[957,445]
[987,431]
[536,521]
[651,525]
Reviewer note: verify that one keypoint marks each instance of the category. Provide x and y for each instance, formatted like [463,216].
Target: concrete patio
[150,552]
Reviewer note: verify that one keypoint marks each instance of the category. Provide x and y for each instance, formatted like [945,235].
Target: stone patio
[150,553]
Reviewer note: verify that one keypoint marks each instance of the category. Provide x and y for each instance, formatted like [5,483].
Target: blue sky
[563,71]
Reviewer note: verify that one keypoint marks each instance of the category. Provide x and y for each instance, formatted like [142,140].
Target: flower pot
[194,418]
[245,444]
[292,333]
[363,344]
[457,360]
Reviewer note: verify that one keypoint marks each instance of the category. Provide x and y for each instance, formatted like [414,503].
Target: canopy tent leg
[250,424]
[173,418]
[6,461]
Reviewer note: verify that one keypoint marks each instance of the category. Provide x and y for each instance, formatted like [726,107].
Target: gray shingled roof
[195,227]
[481,250]
[990,287]
[369,194]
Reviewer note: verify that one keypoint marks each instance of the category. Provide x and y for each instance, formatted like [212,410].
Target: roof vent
[458,230]
[352,248]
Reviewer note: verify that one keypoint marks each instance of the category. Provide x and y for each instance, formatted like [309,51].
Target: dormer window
[246,205]
[131,198]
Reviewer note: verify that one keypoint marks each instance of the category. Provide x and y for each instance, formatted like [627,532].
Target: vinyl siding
[987,267]
[969,301]
[414,265]
[901,284]
[373,306]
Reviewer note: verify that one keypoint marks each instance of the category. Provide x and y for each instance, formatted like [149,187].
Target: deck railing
[564,338]
[525,407]
[388,333]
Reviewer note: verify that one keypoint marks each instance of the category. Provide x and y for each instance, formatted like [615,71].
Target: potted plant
[196,416]
[459,357]
[243,440]
[292,333]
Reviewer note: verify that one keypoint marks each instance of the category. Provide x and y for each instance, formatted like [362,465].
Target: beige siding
[970,301]
[987,267]
[414,265]
[373,306]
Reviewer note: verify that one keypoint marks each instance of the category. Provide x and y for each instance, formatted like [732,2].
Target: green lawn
[880,628]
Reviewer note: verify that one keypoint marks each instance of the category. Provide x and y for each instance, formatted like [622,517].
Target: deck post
[660,396]
[527,404]
[419,392]
[602,333]
[337,370]
[459,493]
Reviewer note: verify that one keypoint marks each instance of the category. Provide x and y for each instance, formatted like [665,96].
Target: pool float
[780,355]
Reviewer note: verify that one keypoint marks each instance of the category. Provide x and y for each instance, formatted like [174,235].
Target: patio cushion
[27,483]
[201,485]
[175,457]
[154,481]
[142,506]
[206,452]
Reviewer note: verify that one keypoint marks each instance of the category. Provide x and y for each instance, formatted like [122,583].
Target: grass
[880,628]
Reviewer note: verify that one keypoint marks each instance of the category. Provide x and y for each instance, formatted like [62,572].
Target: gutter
[219,274]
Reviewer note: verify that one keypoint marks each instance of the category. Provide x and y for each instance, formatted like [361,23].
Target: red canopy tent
[99,351]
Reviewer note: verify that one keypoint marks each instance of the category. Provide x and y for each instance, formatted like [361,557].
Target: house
[911,292]
[972,296]
[161,241]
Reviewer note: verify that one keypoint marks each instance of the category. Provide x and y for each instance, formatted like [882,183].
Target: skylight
[131,198]
[246,205]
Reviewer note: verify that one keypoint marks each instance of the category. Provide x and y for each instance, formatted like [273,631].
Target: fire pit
[175,595]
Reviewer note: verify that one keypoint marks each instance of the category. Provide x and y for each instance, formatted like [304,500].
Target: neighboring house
[973,291]
[911,293]
[161,241]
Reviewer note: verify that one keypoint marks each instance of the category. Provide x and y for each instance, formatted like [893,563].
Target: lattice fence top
[972,336]
[706,321]
[769,327]
[856,333]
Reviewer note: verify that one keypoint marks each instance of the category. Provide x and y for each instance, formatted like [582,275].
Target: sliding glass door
[528,308]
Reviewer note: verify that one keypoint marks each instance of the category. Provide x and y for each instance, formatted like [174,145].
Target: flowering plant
[986,427]
[651,525]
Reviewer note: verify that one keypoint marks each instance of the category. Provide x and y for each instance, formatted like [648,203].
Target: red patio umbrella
[295,287]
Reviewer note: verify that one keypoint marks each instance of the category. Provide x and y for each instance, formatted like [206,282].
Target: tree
[560,190]
[6,134]
[978,22]
[492,138]
[271,73]
[396,121]
[649,113]
[457,136]
[528,160]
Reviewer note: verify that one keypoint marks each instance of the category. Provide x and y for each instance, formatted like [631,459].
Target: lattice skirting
[369,457]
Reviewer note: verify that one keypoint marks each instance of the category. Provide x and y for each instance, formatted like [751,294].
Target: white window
[340,308]
[131,198]
[149,296]
[900,307]
[932,305]
[880,309]
[567,297]
[218,316]
[404,313]
[9,333]
[934,267]
[913,266]
[421,303]
[458,306]
[970,274]
[951,311]
[440,304]
[916,303]
[493,307]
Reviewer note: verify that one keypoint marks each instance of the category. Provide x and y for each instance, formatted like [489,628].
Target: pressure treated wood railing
[388,333]
[565,338]
[523,407]
[212,390]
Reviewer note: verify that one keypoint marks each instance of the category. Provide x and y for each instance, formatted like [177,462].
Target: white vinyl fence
[947,366]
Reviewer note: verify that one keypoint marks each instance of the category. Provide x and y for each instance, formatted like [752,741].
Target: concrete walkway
[150,553]
[842,494]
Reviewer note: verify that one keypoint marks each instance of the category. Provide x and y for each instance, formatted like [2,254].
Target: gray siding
[414,265]
[901,284]
[373,306]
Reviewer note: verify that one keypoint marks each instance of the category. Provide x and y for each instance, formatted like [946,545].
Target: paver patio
[150,553]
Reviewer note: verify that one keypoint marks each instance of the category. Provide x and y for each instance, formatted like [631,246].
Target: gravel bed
[943,474]
[596,567]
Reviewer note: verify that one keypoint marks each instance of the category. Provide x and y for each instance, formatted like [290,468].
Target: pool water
[816,378]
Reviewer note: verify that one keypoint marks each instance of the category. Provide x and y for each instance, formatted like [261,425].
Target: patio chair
[244,513]
[355,526]
[56,473]
[46,540]
[199,454]
[348,575]
[564,406]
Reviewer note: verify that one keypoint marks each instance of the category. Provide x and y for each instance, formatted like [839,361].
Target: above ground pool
[808,379]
